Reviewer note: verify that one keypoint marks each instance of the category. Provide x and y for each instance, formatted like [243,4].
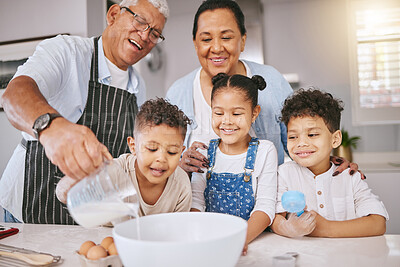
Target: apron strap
[94,72]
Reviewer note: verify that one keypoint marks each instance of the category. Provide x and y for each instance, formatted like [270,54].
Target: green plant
[349,141]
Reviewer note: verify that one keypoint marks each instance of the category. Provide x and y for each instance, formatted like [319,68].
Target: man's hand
[73,148]
[192,160]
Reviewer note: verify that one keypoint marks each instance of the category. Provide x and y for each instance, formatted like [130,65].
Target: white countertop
[377,161]
[61,240]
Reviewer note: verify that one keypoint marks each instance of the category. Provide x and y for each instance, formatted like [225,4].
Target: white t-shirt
[119,78]
[339,198]
[202,113]
[264,177]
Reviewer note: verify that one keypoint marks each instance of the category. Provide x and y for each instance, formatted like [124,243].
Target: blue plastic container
[294,201]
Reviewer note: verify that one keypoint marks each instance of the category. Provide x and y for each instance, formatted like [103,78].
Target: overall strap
[250,158]
[212,149]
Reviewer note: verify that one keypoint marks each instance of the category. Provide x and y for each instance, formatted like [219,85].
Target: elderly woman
[219,36]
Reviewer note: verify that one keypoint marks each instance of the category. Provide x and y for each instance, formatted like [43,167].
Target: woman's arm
[371,225]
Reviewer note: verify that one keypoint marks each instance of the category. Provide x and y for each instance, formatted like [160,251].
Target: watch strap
[38,130]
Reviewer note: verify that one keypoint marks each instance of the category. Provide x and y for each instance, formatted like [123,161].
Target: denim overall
[231,193]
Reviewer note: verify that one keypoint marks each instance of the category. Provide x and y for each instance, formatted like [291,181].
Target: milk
[93,214]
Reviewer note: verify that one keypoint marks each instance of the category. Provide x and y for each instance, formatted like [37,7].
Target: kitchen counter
[378,162]
[61,240]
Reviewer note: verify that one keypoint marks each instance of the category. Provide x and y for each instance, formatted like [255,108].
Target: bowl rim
[114,231]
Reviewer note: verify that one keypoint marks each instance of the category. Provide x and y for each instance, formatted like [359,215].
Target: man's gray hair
[161,5]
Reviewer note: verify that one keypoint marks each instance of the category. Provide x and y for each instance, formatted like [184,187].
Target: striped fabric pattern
[110,113]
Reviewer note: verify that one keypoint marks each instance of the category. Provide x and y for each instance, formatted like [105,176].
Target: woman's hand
[344,164]
[192,160]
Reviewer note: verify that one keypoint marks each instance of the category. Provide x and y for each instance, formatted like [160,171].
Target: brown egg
[112,249]
[106,242]
[83,250]
[96,253]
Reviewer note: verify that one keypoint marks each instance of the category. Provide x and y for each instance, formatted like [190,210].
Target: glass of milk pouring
[106,195]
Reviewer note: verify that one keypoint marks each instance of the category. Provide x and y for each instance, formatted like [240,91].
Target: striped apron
[110,113]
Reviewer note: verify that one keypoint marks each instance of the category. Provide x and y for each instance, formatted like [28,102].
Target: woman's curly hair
[312,102]
[158,111]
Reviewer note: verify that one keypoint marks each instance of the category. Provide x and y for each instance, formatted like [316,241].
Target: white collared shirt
[338,198]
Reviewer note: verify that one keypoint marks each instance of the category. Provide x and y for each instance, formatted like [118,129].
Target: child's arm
[255,226]
[369,209]
[371,225]
[198,184]
[63,186]
[265,198]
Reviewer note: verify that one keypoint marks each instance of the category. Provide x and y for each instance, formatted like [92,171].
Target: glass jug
[102,197]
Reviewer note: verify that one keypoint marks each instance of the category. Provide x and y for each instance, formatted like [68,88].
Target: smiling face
[310,142]
[232,116]
[123,44]
[158,150]
[218,42]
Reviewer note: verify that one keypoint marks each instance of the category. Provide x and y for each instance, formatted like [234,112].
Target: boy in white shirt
[340,206]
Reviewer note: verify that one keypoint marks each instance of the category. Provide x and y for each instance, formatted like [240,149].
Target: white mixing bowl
[186,239]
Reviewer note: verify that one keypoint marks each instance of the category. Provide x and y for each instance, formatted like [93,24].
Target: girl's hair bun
[218,77]
[259,81]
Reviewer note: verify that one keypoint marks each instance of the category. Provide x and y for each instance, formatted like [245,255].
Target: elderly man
[75,101]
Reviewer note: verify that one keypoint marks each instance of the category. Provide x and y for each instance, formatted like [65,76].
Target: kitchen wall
[307,37]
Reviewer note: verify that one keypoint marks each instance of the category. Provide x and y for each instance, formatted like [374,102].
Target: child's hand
[244,251]
[63,186]
[298,226]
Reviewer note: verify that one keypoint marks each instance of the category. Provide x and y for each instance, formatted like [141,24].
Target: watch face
[41,122]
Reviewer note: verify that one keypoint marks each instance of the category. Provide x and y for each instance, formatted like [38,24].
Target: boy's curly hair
[313,102]
[158,111]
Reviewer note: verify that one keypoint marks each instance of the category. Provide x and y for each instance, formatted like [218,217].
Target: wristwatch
[42,122]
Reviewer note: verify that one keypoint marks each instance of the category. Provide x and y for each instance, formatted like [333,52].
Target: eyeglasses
[140,24]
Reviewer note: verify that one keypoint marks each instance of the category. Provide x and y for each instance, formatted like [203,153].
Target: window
[375,58]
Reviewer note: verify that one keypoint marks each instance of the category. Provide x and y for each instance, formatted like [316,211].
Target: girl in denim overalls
[241,178]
